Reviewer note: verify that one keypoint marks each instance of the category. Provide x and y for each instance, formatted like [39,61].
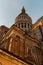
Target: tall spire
[23,9]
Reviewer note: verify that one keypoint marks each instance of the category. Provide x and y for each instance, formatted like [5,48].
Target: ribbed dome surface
[23,16]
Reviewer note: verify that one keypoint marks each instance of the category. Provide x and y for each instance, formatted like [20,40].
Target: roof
[39,22]
[6,51]
[11,31]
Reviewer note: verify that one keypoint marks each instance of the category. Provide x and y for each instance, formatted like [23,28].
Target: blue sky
[9,9]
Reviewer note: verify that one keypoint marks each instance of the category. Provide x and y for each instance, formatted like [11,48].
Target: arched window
[25,25]
[29,51]
[28,25]
[19,25]
[22,25]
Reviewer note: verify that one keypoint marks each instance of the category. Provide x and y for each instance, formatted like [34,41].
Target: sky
[9,9]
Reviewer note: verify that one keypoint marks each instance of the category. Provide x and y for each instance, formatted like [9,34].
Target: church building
[23,41]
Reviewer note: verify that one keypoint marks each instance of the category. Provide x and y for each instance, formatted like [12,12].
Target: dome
[23,19]
[23,15]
